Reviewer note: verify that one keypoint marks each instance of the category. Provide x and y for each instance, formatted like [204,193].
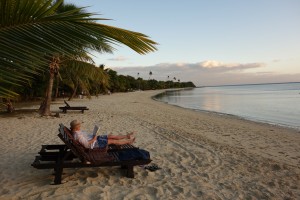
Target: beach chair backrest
[67,104]
[66,136]
[95,155]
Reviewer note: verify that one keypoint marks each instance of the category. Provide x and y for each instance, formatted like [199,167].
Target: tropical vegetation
[39,35]
[45,53]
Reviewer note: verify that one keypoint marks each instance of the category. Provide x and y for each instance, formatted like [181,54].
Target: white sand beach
[201,155]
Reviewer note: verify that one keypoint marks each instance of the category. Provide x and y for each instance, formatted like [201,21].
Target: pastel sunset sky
[211,42]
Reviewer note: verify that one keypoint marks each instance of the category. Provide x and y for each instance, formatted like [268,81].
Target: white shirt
[84,138]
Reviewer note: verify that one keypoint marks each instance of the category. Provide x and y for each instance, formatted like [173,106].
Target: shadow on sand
[19,113]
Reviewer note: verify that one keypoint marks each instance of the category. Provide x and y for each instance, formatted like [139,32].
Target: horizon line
[246,84]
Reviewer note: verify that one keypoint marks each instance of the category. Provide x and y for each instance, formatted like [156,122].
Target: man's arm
[84,140]
[93,140]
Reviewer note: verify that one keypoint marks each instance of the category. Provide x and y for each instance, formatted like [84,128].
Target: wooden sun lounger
[74,155]
[68,107]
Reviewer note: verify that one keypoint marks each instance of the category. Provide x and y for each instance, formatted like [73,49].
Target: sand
[202,155]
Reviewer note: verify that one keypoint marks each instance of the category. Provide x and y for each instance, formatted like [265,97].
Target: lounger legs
[58,174]
[130,172]
[59,168]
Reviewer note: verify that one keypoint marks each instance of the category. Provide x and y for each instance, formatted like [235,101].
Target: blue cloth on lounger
[102,141]
[134,154]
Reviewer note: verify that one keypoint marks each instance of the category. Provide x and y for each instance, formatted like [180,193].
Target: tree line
[122,83]
[91,81]
[45,51]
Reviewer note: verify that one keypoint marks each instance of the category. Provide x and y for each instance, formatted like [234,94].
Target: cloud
[208,72]
[208,66]
[211,64]
[119,58]
[228,66]
[276,60]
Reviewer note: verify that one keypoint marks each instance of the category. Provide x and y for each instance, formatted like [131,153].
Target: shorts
[102,141]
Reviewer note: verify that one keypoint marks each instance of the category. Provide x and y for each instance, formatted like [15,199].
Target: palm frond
[31,31]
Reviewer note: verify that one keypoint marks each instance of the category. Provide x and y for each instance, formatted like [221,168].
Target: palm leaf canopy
[83,73]
[31,31]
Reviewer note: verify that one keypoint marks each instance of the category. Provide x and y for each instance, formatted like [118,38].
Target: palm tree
[81,75]
[33,34]
[138,74]
[168,82]
[102,66]
[150,74]
[113,79]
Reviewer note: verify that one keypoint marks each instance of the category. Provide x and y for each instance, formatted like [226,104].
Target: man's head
[75,125]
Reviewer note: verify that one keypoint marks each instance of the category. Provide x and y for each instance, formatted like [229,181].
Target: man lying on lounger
[101,141]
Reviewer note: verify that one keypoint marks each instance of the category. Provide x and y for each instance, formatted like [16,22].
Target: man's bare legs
[120,137]
[120,141]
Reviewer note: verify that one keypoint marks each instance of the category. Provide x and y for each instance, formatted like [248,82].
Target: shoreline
[227,114]
[293,131]
[202,155]
[237,117]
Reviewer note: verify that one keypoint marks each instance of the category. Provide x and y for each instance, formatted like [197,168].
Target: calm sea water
[270,103]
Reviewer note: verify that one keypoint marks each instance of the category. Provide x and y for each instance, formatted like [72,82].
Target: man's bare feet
[131,134]
[132,140]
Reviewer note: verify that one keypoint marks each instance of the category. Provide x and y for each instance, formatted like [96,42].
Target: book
[96,129]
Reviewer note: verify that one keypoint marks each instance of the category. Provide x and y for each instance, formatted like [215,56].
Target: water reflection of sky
[274,103]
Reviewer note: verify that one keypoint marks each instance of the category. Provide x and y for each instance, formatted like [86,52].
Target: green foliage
[86,76]
[32,31]
[121,83]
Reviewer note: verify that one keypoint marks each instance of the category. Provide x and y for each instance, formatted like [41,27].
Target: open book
[96,129]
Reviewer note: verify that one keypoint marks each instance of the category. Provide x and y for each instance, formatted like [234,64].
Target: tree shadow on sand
[19,113]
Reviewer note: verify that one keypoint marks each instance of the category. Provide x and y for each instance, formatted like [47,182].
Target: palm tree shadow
[19,113]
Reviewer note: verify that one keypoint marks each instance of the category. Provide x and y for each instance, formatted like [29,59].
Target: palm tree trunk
[74,92]
[9,107]
[56,88]
[45,106]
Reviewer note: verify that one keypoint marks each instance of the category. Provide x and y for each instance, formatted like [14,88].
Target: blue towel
[134,154]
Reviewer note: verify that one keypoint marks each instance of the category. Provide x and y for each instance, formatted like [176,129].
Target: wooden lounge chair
[68,107]
[74,155]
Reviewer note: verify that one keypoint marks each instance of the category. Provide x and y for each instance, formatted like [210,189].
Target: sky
[211,42]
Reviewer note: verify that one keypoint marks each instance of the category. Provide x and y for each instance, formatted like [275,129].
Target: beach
[202,155]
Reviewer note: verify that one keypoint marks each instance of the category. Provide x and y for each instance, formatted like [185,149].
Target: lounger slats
[65,108]
[68,107]
[115,155]
[120,147]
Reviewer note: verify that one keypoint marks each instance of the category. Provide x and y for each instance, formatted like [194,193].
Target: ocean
[277,103]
